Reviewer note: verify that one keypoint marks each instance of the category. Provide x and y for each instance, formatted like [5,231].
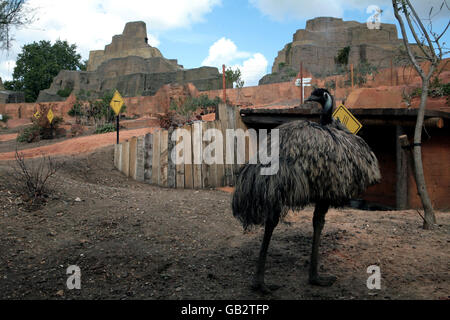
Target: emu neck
[326,117]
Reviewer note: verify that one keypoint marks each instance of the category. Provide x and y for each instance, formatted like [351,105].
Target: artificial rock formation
[319,44]
[131,66]
[132,42]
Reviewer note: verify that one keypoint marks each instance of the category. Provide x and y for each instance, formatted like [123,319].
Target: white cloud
[280,10]
[253,69]
[224,51]
[90,24]
[6,68]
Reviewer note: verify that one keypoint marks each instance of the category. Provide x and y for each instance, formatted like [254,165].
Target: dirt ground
[136,241]
[61,146]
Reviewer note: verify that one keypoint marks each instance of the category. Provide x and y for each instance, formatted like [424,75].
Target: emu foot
[263,288]
[322,281]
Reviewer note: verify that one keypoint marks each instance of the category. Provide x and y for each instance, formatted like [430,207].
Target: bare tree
[431,50]
[13,13]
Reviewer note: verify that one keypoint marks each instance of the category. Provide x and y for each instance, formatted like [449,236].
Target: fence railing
[150,158]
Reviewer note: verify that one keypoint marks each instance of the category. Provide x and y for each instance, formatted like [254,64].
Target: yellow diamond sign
[347,119]
[117,102]
[50,116]
[37,115]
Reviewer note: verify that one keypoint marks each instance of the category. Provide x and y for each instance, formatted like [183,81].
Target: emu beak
[313,99]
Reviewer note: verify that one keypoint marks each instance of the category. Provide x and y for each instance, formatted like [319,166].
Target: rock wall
[130,65]
[132,42]
[318,45]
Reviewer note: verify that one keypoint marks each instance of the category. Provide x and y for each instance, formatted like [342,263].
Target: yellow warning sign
[37,115]
[50,116]
[347,119]
[117,102]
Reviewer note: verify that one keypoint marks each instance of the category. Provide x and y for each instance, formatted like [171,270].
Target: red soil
[8,137]
[78,146]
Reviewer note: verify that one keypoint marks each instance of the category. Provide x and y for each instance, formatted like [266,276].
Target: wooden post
[220,167]
[172,170]
[148,149]
[197,146]
[180,166]
[224,85]
[156,158]
[401,189]
[188,167]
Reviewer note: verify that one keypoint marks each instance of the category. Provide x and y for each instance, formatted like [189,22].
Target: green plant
[281,65]
[39,63]
[5,118]
[108,127]
[64,93]
[76,110]
[234,77]
[342,56]
[29,134]
[330,84]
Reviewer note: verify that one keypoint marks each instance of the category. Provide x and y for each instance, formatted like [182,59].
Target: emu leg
[258,281]
[320,211]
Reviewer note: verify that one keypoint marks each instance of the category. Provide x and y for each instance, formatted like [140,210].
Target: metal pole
[118,127]
[301,82]
[351,69]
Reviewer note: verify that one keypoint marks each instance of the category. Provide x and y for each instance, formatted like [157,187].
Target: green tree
[234,77]
[39,63]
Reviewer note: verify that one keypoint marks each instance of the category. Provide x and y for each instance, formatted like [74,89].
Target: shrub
[29,134]
[5,118]
[31,179]
[109,127]
[64,93]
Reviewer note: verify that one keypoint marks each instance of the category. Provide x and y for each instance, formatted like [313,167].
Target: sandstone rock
[318,45]
[132,42]
[133,67]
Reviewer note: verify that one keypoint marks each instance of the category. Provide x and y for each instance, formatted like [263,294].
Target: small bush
[32,179]
[109,127]
[5,118]
[64,93]
[29,134]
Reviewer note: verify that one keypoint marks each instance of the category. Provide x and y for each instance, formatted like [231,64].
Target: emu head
[325,99]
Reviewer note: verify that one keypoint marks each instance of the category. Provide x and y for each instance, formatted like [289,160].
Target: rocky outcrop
[132,42]
[131,66]
[318,45]
[136,78]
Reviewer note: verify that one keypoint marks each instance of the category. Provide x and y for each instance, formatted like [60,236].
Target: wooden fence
[148,159]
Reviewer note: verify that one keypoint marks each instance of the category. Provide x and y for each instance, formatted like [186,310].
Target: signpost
[37,115]
[50,117]
[117,104]
[347,119]
[303,82]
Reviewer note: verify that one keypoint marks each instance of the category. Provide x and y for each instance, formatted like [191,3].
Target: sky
[239,33]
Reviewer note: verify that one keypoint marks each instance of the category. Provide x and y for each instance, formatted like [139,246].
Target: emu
[322,163]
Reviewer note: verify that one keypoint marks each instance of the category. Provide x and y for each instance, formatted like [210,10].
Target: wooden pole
[401,188]
[224,85]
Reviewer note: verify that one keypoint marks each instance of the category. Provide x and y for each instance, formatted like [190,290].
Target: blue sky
[241,33]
